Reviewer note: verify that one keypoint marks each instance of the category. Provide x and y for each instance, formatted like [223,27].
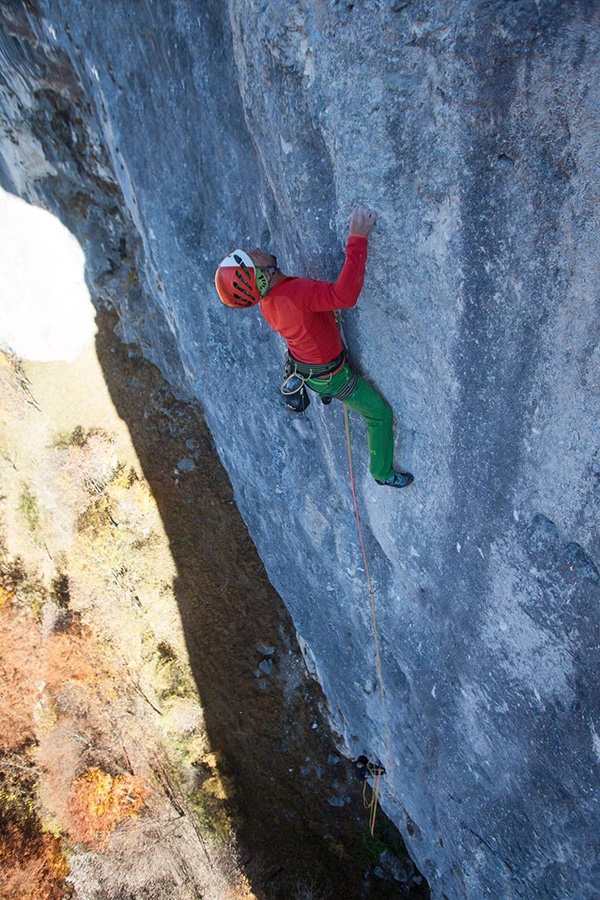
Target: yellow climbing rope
[373,805]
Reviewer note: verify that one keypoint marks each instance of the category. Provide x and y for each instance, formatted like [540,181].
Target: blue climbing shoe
[398,480]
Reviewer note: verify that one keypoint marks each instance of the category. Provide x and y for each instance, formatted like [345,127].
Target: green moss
[174,678]
[29,509]
[385,838]
[212,815]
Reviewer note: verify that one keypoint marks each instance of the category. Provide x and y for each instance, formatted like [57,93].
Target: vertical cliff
[166,132]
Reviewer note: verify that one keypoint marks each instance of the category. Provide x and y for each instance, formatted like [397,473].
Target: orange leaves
[19,676]
[99,801]
[71,655]
[31,867]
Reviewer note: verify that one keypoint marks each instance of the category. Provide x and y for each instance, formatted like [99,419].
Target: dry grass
[32,863]
[20,672]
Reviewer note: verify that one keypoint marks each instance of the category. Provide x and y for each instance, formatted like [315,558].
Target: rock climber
[369,768]
[302,311]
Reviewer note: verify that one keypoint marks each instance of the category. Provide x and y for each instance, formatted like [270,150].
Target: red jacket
[301,309]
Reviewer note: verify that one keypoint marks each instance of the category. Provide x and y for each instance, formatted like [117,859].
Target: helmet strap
[262,282]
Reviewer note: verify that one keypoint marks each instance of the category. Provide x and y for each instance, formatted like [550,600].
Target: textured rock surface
[165,133]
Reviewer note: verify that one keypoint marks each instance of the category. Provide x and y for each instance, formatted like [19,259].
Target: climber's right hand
[362,221]
[261,259]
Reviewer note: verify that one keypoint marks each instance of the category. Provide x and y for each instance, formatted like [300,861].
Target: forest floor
[161,737]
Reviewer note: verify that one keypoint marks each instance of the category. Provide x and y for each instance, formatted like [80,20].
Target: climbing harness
[377,776]
[346,380]
[318,377]
[318,370]
[298,375]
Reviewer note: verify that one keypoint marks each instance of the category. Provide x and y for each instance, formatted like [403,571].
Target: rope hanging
[373,804]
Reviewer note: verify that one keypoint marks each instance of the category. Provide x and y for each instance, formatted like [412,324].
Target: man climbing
[369,768]
[302,311]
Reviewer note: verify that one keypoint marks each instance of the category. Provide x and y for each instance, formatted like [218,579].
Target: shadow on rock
[296,805]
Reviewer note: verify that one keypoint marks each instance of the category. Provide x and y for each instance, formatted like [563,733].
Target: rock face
[166,133]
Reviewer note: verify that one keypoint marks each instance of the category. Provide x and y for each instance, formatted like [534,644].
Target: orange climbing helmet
[239,282]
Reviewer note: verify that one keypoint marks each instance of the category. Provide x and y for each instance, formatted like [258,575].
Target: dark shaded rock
[380,872]
[400,870]
[186,465]
[266,666]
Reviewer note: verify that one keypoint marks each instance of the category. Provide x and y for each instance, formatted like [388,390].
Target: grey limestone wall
[165,133]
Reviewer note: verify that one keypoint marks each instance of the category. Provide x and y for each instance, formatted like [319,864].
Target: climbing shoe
[398,480]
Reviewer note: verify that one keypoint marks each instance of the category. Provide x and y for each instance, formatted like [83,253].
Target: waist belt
[318,370]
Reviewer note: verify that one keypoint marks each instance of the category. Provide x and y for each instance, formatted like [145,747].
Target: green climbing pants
[365,400]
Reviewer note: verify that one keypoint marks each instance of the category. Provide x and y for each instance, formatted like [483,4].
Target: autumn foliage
[32,866]
[99,801]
